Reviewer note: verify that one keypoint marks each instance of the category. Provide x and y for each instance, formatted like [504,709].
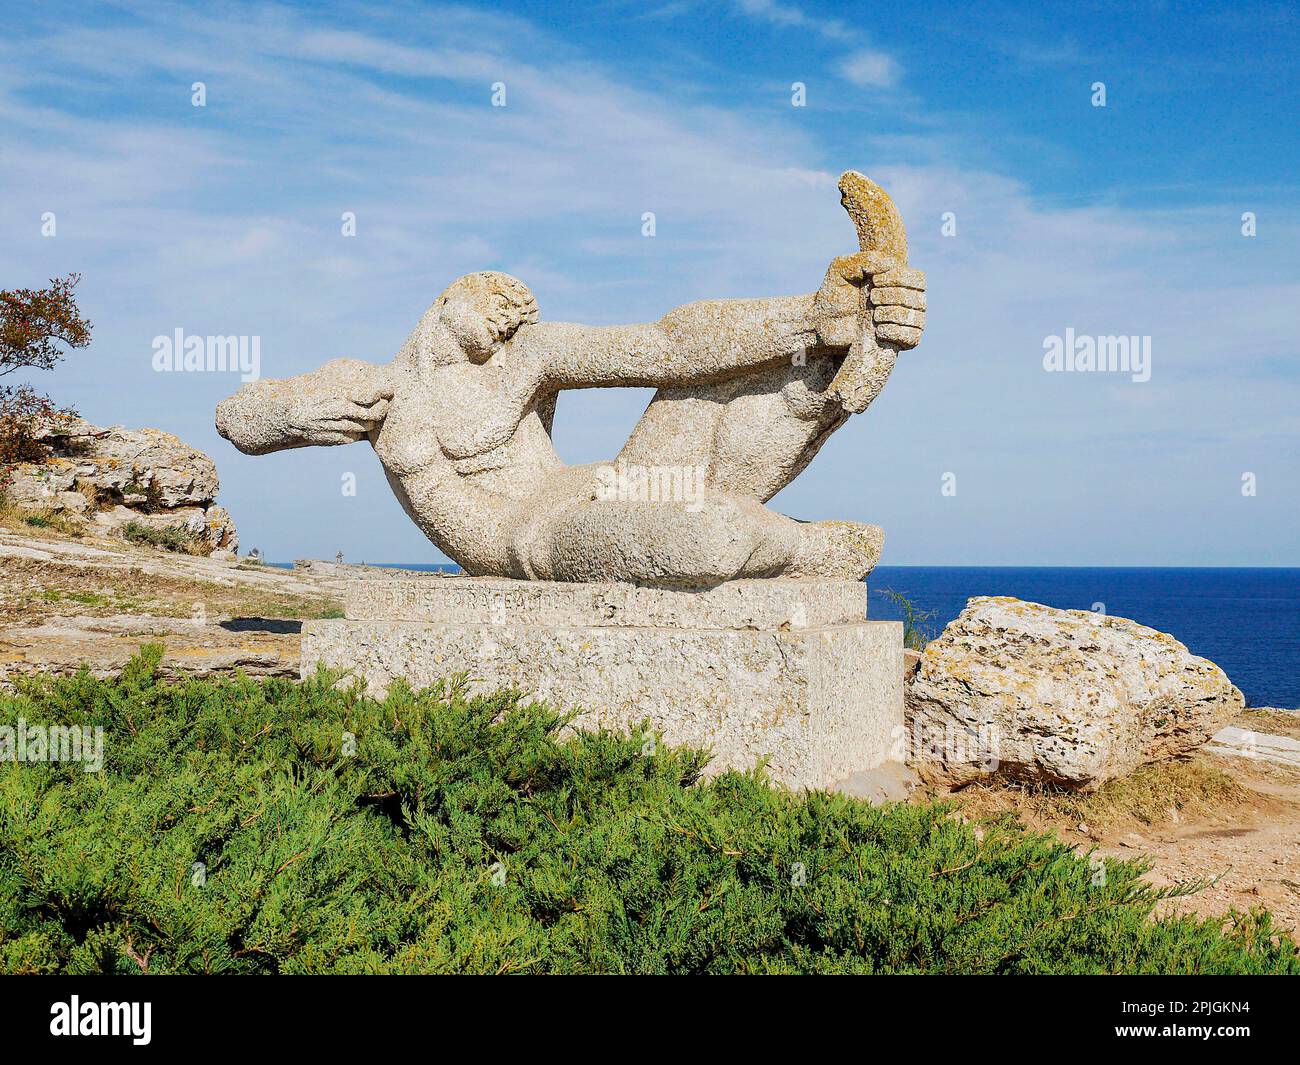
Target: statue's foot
[840,550]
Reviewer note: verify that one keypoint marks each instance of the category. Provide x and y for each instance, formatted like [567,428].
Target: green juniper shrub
[267,827]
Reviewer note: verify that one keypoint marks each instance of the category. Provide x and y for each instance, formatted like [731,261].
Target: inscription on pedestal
[752,604]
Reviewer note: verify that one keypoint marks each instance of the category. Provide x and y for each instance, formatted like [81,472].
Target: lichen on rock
[1064,697]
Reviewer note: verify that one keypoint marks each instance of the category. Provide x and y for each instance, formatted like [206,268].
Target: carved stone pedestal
[783,670]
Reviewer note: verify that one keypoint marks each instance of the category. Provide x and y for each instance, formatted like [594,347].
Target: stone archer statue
[748,391]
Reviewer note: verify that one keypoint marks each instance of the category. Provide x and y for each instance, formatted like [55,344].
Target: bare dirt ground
[1232,823]
[1249,851]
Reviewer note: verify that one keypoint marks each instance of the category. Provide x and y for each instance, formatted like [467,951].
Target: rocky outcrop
[1064,697]
[114,476]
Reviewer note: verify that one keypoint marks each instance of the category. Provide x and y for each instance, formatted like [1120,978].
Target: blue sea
[1246,620]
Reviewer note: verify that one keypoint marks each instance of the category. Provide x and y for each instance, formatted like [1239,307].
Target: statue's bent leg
[750,435]
[742,441]
[663,542]
[683,502]
[723,537]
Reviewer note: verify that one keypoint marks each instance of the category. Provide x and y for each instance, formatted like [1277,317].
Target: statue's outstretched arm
[340,403]
[696,343]
[716,339]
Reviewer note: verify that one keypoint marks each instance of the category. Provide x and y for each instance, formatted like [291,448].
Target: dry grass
[37,520]
[94,500]
[34,590]
[1154,794]
[1270,720]
[176,538]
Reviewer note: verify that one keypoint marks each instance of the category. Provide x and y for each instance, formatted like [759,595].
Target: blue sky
[1125,219]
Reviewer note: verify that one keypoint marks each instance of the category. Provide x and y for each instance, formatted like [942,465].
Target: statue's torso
[471,423]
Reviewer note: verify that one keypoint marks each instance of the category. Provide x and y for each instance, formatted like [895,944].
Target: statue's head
[483,310]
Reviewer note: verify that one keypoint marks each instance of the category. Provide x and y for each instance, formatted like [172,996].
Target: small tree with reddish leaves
[34,322]
[36,325]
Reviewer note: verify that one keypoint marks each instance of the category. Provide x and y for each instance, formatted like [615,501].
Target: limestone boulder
[116,475]
[211,526]
[1063,697]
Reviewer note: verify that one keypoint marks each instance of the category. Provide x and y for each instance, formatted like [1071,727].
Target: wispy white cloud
[779,14]
[870,68]
[865,66]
